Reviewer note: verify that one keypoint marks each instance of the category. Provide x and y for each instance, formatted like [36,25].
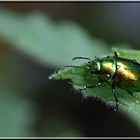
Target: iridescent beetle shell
[120,72]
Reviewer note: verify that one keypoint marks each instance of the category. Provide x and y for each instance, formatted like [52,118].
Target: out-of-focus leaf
[48,42]
[16,115]
[60,126]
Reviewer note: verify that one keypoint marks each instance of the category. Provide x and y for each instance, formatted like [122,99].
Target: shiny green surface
[123,72]
[128,75]
[108,69]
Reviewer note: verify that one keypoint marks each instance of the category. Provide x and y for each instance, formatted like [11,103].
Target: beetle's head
[96,65]
[93,65]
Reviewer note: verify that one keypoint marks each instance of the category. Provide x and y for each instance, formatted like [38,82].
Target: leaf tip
[51,76]
[54,75]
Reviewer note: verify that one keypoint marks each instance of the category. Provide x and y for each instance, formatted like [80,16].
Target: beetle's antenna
[71,66]
[62,67]
[81,58]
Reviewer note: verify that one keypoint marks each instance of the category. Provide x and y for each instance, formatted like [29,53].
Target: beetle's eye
[96,66]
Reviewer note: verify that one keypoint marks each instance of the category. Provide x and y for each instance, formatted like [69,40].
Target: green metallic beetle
[121,72]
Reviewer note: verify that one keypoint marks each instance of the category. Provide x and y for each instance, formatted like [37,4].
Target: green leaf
[48,42]
[81,77]
[128,53]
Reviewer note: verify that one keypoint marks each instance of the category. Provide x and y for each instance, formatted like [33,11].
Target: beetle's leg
[89,86]
[133,94]
[89,68]
[116,99]
[135,61]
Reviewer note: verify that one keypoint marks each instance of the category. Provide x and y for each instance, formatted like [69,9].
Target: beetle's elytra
[121,72]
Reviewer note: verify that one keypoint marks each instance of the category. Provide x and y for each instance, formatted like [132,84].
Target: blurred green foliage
[16,115]
[48,42]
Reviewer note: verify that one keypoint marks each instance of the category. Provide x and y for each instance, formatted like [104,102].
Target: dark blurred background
[40,107]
